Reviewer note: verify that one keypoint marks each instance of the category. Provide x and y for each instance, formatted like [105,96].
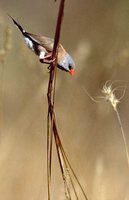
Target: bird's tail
[18,25]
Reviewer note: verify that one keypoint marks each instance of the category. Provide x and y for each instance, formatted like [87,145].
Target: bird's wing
[45,42]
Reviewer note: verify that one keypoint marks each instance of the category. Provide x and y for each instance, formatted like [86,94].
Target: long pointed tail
[18,25]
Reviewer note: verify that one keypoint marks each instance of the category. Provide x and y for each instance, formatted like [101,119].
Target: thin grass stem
[123,136]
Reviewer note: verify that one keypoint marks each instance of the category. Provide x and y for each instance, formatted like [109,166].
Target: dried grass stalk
[66,169]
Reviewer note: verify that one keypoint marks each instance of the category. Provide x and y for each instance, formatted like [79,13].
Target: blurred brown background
[96,34]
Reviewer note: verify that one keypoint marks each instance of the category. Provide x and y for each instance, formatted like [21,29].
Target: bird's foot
[47,59]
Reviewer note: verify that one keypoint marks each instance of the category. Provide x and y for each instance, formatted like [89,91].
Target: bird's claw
[47,59]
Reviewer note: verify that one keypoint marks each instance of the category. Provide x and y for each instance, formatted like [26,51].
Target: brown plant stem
[51,120]
[51,94]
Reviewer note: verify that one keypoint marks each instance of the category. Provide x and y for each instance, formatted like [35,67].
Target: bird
[42,46]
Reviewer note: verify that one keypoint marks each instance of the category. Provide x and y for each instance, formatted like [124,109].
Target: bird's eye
[70,67]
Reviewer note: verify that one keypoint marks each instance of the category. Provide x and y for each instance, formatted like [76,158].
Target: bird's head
[67,64]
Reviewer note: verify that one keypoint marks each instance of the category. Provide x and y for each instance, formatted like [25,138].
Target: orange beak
[72,72]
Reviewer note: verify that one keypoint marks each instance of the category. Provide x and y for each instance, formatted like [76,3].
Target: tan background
[96,33]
